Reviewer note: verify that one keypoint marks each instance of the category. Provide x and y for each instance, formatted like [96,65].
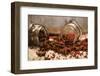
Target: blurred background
[56,23]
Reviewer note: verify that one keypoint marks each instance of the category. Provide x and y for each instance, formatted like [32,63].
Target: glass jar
[37,34]
[72,31]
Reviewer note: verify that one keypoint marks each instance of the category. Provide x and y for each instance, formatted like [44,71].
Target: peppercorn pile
[57,47]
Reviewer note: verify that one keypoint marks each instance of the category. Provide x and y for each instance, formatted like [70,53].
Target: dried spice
[63,45]
[40,53]
[69,43]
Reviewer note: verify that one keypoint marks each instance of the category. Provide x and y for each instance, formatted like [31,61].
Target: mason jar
[37,34]
[72,30]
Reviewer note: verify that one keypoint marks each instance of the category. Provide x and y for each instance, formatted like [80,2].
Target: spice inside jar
[71,31]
